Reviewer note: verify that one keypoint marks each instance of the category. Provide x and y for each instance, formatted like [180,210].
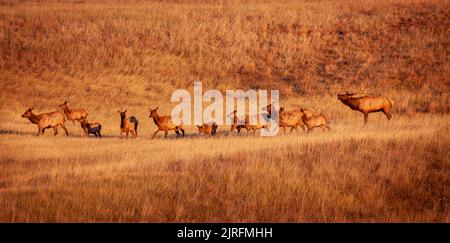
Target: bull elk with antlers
[367,104]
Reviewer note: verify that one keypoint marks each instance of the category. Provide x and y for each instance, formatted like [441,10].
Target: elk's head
[344,97]
[63,105]
[83,121]
[123,114]
[307,112]
[28,113]
[154,113]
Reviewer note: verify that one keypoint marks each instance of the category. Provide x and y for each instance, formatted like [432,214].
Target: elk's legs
[388,115]
[366,115]
[155,133]
[65,129]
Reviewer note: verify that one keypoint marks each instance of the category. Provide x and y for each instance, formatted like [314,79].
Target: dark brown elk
[207,129]
[367,104]
[312,120]
[91,128]
[164,123]
[128,125]
[73,115]
[46,120]
[292,118]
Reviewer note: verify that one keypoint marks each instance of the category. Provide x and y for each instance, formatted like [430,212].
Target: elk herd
[304,118]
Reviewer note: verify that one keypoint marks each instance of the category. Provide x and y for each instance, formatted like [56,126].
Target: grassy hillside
[94,54]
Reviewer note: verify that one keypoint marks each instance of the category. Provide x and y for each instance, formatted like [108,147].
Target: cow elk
[91,128]
[311,120]
[164,123]
[207,128]
[292,118]
[128,125]
[46,120]
[247,125]
[73,115]
[367,104]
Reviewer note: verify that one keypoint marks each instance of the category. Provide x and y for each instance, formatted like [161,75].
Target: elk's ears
[65,102]
[156,108]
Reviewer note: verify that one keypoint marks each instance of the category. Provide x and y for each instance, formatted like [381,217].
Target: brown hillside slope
[100,53]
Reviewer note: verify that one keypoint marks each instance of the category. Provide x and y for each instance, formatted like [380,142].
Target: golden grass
[392,172]
[109,56]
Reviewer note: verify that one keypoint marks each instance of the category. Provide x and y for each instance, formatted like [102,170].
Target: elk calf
[128,125]
[311,120]
[164,123]
[91,128]
[292,119]
[206,129]
[46,120]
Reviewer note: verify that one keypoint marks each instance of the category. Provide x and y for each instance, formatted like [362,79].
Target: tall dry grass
[396,172]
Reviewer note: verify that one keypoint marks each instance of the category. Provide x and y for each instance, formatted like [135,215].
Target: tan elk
[207,128]
[292,118]
[367,104]
[311,120]
[73,115]
[246,125]
[164,123]
[128,124]
[46,120]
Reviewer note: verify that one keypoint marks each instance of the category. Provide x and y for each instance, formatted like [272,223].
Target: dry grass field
[109,55]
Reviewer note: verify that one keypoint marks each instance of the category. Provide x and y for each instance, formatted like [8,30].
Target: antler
[363,90]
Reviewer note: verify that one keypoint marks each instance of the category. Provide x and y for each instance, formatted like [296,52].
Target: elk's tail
[135,122]
[214,129]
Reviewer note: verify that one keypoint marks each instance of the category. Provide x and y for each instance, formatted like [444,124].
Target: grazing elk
[164,123]
[73,115]
[91,128]
[367,104]
[46,120]
[292,119]
[206,129]
[128,125]
[247,125]
[312,120]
